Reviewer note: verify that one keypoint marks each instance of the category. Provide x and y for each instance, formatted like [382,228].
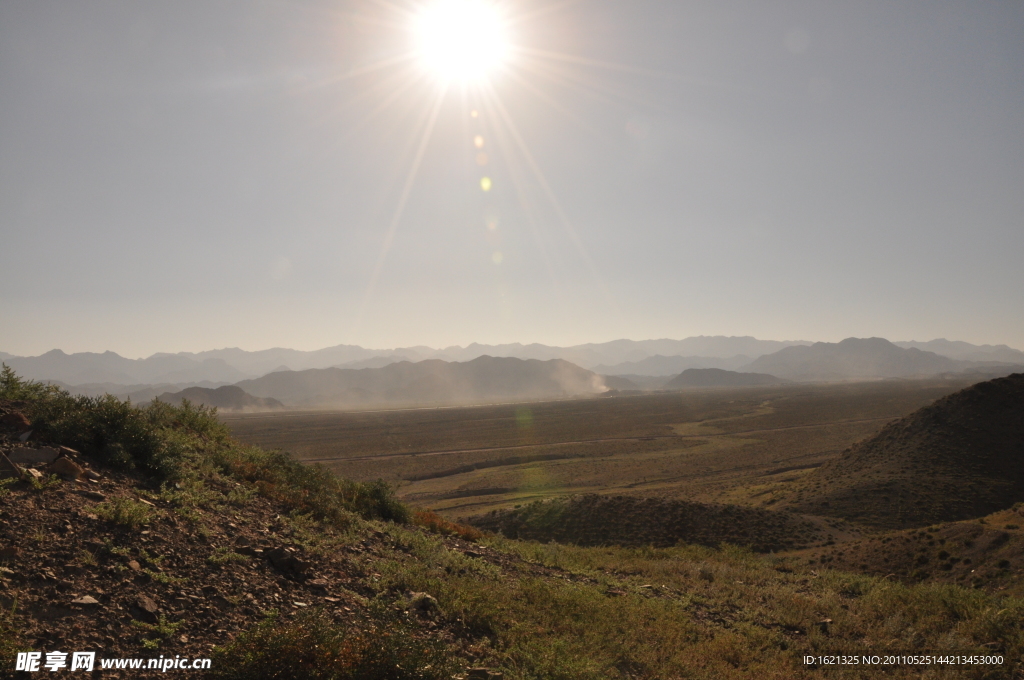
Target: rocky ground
[95,560]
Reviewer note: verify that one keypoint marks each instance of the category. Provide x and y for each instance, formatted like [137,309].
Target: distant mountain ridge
[109,367]
[671,365]
[663,357]
[852,359]
[965,351]
[429,382]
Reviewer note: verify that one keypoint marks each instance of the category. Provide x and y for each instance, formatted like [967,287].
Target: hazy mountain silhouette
[135,393]
[716,377]
[226,398]
[852,359]
[429,382]
[671,365]
[619,357]
[372,362]
[108,367]
[965,351]
[958,458]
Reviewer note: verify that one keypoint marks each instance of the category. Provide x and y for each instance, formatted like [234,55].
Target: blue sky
[190,175]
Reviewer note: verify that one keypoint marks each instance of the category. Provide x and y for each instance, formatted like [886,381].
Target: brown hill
[985,553]
[852,359]
[958,458]
[429,382]
[631,521]
[717,377]
[226,398]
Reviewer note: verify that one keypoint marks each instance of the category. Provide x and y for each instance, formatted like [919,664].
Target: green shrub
[11,641]
[311,489]
[224,556]
[158,439]
[182,444]
[313,647]
[436,524]
[124,511]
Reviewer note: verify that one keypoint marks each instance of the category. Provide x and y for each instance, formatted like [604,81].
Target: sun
[461,39]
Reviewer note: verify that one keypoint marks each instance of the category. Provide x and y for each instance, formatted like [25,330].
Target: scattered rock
[23,437]
[134,565]
[422,603]
[145,609]
[26,455]
[285,560]
[85,600]
[93,495]
[66,468]
[32,472]
[92,475]
[483,674]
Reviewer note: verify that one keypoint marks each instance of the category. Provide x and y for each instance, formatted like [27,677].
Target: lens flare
[485,183]
[461,39]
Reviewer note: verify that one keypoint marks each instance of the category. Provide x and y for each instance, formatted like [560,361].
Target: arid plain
[741,445]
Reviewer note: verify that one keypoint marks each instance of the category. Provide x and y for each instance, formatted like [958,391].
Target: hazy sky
[190,175]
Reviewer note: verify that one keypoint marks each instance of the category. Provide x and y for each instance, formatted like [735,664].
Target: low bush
[313,647]
[436,524]
[179,445]
[127,512]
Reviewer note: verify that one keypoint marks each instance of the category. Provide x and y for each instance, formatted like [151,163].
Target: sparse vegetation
[436,524]
[156,633]
[314,647]
[532,610]
[225,556]
[126,512]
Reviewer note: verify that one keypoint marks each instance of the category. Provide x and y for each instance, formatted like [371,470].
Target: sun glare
[461,39]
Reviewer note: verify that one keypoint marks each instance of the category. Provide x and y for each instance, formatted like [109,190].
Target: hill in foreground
[597,520]
[984,553]
[717,377]
[429,382]
[174,542]
[225,398]
[958,458]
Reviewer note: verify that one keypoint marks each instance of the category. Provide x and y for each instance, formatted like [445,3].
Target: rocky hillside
[959,458]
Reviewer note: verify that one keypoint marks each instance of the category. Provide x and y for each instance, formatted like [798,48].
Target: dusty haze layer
[190,175]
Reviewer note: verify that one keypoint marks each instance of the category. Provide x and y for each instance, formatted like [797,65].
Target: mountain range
[384,377]
[429,382]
